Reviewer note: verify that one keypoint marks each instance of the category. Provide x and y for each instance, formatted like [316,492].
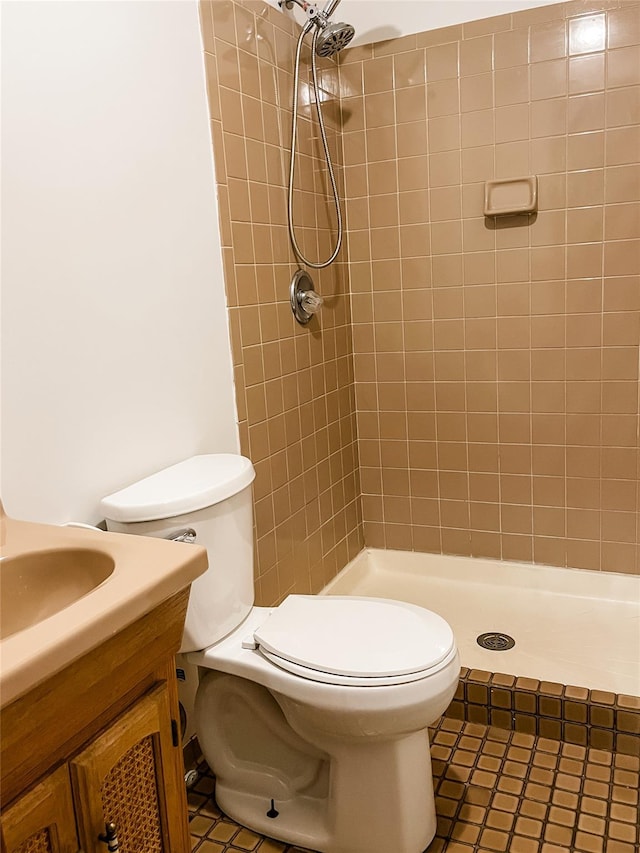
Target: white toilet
[313,715]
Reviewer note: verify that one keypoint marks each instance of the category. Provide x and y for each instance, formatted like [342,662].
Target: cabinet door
[126,776]
[42,820]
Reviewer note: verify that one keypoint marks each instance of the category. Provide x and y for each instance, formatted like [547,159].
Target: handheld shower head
[333,38]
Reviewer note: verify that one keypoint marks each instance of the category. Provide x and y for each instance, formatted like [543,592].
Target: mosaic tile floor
[497,791]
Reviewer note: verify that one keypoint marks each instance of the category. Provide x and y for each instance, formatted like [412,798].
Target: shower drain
[495,641]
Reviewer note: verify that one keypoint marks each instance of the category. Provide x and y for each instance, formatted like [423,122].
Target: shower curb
[589,718]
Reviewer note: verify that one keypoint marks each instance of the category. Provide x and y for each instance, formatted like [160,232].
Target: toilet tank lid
[193,484]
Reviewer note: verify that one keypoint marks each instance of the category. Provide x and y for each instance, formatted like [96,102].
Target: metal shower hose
[294,137]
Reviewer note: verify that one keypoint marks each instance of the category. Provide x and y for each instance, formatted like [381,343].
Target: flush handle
[185,534]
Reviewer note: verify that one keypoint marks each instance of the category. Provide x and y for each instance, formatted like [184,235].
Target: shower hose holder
[312,11]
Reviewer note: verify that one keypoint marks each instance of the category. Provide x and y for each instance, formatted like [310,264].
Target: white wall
[378,20]
[115,350]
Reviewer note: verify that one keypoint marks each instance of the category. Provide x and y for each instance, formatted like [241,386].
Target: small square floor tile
[501,792]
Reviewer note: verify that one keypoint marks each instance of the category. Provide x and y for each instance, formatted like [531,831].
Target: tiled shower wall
[294,385]
[496,361]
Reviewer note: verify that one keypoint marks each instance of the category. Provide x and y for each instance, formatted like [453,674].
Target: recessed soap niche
[511,196]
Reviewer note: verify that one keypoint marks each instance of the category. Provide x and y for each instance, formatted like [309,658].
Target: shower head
[333,38]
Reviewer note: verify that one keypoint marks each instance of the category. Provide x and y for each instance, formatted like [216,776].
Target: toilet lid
[339,638]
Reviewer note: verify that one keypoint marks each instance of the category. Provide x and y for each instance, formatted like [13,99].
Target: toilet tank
[212,495]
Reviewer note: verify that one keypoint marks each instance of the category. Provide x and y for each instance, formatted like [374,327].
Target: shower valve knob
[310,301]
[305,302]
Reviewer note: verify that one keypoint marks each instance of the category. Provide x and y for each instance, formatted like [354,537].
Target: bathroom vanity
[98,740]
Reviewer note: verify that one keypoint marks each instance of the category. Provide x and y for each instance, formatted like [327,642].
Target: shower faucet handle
[310,301]
[305,302]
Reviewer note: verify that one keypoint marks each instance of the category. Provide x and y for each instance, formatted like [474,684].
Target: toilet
[312,714]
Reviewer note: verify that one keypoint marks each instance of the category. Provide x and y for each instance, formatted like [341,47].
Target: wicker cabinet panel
[119,779]
[38,843]
[130,800]
[42,820]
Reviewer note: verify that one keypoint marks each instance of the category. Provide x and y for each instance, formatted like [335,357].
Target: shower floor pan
[570,626]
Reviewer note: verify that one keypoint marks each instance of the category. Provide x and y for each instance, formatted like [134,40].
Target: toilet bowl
[313,714]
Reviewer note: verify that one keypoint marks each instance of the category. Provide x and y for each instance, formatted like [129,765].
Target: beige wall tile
[623,106]
[476,55]
[476,92]
[587,33]
[512,85]
[510,48]
[409,68]
[548,79]
[443,97]
[548,41]
[548,117]
[442,61]
[378,75]
[411,104]
[585,151]
[586,73]
[586,112]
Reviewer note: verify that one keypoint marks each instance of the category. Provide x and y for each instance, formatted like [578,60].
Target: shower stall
[472,387]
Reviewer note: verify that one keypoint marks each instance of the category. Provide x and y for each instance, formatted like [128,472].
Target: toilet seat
[355,641]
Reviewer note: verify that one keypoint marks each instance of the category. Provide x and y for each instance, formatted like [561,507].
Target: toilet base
[335,795]
[300,821]
[374,807]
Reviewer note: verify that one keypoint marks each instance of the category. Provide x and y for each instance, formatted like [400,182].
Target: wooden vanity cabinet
[43,819]
[124,767]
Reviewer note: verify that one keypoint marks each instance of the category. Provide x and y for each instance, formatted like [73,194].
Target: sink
[65,590]
[38,584]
